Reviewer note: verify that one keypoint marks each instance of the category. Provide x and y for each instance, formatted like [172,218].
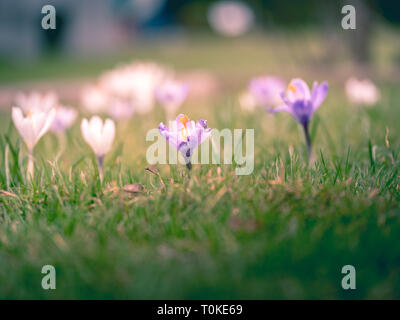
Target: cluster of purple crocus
[298,100]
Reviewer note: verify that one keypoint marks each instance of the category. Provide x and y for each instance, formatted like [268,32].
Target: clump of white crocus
[94,99]
[33,118]
[362,92]
[36,101]
[136,81]
[99,136]
[120,109]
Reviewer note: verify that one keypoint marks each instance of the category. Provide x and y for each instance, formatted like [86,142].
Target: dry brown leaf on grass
[278,180]
[134,188]
[242,224]
[373,193]
[348,181]
[8,194]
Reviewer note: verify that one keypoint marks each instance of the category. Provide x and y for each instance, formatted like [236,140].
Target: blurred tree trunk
[359,40]
[329,17]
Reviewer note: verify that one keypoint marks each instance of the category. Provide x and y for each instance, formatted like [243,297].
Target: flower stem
[30,170]
[187,179]
[100,160]
[308,142]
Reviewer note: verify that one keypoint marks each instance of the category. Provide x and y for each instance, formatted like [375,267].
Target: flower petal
[108,135]
[298,90]
[281,108]
[49,118]
[24,127]
[318,94]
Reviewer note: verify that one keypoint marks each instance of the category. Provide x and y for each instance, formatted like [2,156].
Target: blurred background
[234,40]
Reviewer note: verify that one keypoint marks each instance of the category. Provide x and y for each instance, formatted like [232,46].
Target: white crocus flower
[99,136]
[36,101]
[136,81]
[32,124]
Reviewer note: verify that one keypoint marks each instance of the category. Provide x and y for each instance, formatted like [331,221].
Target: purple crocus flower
[301,103]
[266,90]
[185,135]
[64,119]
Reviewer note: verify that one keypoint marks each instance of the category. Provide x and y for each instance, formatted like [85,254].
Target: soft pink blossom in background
[362,92]
[171,94]
[230,18]
[94,99]
[266,90]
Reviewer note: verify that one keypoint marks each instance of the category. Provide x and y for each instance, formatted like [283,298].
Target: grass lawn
[285,231]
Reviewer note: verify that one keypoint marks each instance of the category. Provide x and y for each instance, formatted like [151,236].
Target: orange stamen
[292,88]
[184,119]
